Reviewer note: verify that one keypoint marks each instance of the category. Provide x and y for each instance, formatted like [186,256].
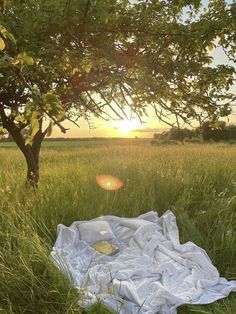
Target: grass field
[197,182]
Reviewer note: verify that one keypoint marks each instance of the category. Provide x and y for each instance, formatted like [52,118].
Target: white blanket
[151,273]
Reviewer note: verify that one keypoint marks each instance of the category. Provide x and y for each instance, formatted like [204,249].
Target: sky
[150,125]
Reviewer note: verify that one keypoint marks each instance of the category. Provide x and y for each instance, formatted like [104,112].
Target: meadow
[197,182]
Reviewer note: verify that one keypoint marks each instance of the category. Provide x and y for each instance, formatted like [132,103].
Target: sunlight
[127,126]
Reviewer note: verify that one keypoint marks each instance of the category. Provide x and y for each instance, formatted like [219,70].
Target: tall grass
[197,182]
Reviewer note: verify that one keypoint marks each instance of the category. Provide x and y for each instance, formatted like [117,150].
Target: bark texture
[30,152]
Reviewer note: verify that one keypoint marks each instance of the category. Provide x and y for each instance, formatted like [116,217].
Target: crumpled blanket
[151,273]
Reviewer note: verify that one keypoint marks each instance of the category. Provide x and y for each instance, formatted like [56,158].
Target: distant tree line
[8,138]
[204,133]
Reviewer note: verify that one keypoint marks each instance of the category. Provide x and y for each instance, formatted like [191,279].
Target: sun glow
[127,126]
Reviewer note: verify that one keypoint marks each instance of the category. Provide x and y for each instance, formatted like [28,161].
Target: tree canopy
[62,60]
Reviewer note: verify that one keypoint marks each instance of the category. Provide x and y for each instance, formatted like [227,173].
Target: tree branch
[104,98]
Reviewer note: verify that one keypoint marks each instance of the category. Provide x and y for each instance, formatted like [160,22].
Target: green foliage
[175,134]
[24,58]
[180,134]
[7,35]
[34,127]
[50,128]
[2,131]
[41,106]
[215,132]
[5,62]
[51,103]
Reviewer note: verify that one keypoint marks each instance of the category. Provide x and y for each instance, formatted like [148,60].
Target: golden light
[109,182]
[126,126]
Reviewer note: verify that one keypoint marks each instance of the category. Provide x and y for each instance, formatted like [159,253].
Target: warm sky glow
[124,127]
[130,128]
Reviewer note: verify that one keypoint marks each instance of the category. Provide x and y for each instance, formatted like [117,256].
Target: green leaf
[29,109]
[6,34]
[51,99]
[10,37]
[53,106]
[3,131]
[20,118]
[211,46]
[87,68]
[50,128]
[57,113]
[2,44]
[28,140]
[23,57]
[34,127]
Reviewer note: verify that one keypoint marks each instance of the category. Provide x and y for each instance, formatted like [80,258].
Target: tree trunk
[33,160]
[30,152]
[32,178]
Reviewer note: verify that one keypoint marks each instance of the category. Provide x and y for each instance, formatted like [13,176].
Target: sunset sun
[127,126]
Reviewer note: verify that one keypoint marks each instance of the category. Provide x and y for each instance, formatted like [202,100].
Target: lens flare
[109,182]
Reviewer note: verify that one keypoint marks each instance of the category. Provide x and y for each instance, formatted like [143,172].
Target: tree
[216,132]
[176,134]
[232,132]
[83,58]
[180,134]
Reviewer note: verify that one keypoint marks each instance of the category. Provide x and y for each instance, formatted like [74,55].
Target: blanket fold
[151,271]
